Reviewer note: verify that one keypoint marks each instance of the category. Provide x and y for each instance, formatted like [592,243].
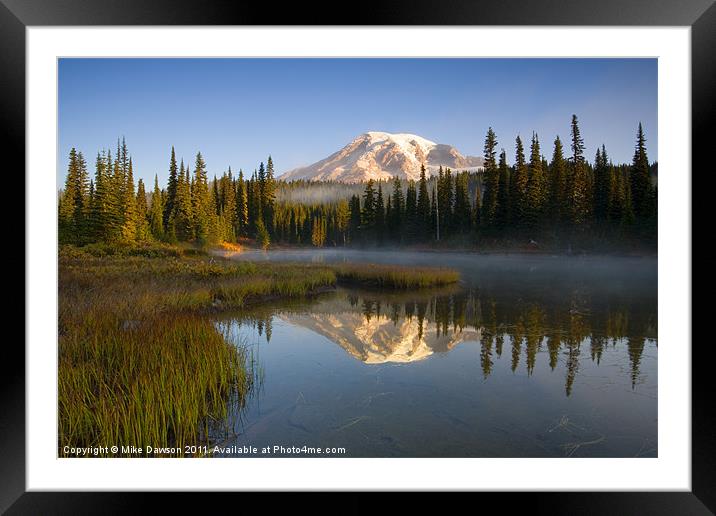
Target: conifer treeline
[190,209]
[558,200]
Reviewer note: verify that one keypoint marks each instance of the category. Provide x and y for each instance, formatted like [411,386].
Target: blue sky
[238,111]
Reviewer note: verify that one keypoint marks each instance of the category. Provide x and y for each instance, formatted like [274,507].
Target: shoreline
[478,252]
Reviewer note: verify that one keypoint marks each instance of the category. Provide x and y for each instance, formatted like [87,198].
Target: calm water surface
[530,356]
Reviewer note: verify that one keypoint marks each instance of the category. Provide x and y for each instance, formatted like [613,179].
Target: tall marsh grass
[395,277]
[140,363]
[156,382]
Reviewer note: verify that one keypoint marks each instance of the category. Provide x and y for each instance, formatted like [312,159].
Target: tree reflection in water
[376,327]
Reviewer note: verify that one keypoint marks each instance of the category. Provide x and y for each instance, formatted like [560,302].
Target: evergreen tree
[411,212]
[142,206]
[261,178]
[67,227]
[318,231]
[262,235]
[397,211]
[156,213]
[114,202]
[169,205]
[254,200]
[355,218]
[228,207]
[602,178]
[423,207]
[129,204]
[143,232]
[445,202]
[343,217]
[435,213]
[182,221]
[82,207]
[578,181]
[492,180]
[97,220]
[463,213]
[503,194]
[380,215]
[617,197]
[518,187]
[201,202]
[640,183]
[125,159]
[557,190]
[215,197]
[103,220]
[118,185]
[260,191]
[629,217]
[537,188]
[391,231]
[477,209]
[214,228]
[269,196]
[368,213]
[293,228]
[242,207]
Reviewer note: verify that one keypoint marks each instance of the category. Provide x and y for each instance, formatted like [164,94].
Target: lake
[529,356]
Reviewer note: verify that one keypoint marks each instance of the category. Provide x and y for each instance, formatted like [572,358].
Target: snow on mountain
[379,338]
[378,155]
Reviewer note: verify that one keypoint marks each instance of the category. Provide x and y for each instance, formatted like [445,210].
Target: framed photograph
[432,250]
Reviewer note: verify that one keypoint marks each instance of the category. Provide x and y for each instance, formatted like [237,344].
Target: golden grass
[141,364]
[395,277]
[152,382]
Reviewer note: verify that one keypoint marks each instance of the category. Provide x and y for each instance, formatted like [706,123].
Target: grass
[157,382]
[137,286]
[140,363]
[394,277]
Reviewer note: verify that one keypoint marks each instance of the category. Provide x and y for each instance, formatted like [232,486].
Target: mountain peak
[401,138]
[380,155]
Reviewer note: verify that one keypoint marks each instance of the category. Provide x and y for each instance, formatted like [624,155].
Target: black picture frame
[700,15]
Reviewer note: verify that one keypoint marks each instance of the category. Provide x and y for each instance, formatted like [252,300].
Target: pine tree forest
[556,202]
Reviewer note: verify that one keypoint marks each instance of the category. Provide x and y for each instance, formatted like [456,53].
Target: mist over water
[511,271]
[318,193]
[529,356]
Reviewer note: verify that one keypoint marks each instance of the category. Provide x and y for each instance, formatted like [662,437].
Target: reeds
[141,364]
[155,382]
[395,277]
[137,285]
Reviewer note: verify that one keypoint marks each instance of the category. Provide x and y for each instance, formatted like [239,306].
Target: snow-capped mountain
[377,155]
[378,339]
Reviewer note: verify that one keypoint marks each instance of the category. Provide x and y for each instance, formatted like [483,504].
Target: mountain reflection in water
[530,356]
[378,328]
